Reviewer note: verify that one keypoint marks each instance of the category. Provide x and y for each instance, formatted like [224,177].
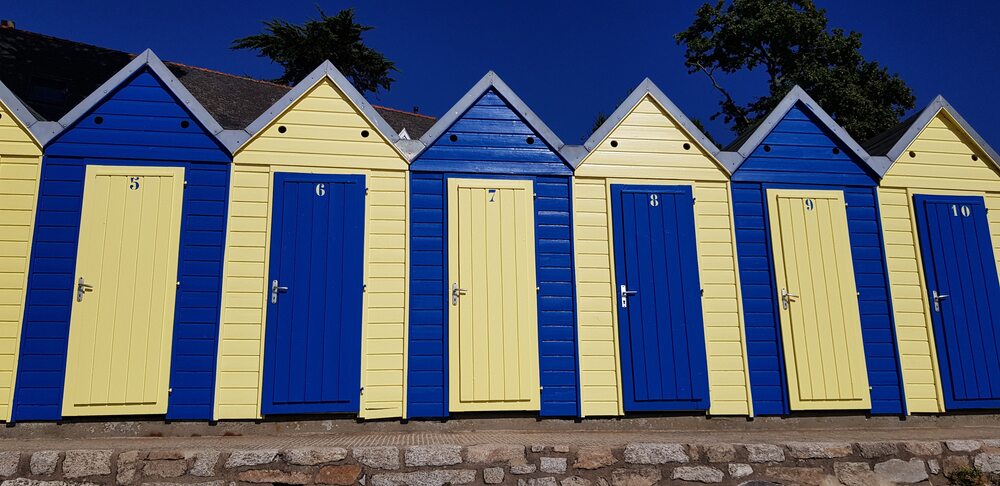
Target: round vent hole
[836,150]
[687,146]
[364,133]
[530,140]
[975,157]
[912,154]
[767,148]
[282,129]
[98,119]
[614,143]
[453,138]
[185,124]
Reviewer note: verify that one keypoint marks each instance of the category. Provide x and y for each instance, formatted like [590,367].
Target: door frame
[923,250]
[173,261]
[451,242]
[266,384]
[617,242]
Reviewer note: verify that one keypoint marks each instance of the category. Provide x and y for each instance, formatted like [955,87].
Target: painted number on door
[133,183]
[493,195]
[964,210]
[654,200]
[810,204]
[321,189]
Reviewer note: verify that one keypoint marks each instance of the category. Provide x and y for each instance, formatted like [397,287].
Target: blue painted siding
[800,154]
[491,142]
[141,127]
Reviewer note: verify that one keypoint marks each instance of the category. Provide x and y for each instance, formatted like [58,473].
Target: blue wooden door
[312,347]
[662,333]
[964,297]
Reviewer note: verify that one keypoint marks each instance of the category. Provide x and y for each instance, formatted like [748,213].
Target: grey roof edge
[326,69]
[648,87]
[492,80]
[937,105]
[37,129]
[798,95]
[147,59]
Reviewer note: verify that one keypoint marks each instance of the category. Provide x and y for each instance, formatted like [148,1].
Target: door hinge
[366,191]
[364,288]
[185,183]
[178,284]
[534,195]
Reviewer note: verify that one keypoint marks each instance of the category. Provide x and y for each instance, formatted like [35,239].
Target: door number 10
[964,210]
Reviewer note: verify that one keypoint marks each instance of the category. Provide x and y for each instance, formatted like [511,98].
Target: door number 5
[133,183]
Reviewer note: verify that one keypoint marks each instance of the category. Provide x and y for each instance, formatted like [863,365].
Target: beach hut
[314,305]
[940,207]
[122,305]
[813,273]
[492,308]
[657,282]
[22,135]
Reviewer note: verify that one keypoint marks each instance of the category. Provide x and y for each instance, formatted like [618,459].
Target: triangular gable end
[926,116]
[148,60]
[648,88]
[39,131]
[326,70]
[491,81]
[797,96]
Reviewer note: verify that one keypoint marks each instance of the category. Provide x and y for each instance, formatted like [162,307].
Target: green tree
[299,49]
[790,40]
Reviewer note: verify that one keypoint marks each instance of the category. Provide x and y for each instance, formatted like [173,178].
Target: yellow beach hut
[660,324]
[940,207]
[22,135]
[314,293]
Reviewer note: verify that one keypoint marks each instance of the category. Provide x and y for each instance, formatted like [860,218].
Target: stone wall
[818,463]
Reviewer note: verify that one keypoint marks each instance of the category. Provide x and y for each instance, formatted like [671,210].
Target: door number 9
[810,204]
[133,183]
[964,210]
[654,200]
[321,189]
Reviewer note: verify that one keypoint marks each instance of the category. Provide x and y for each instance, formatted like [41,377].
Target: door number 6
[321,189]
[654,200]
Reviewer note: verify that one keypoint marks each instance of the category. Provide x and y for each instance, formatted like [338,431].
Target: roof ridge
[70,41]
[397,110]
[231,75]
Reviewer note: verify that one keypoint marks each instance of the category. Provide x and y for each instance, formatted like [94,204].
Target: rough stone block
[737,470]
[902,472]
[380,457]
[934,466]
[854,473]
[344,475]
[575,481]
[553,465]
[253,457]
[203,462]
[594,458]
[80,464]
[164,455]
[797,475]
[875,450]
[425,478]
[819,450]
[43,463]
[495,453]
[652,453]
[923,448]
[562,449]
[129,463]
[950,464]
[988,462]
[433,455]
[8,463]
[165,469]
[524,468]
[550,481]
[764,453]
[720,452]
[636,477]
[493,475]
[313,456]
[274,476]
[700,474]
[963,445]
[536,448]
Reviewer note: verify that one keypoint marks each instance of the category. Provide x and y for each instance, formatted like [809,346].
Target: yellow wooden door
[818,301]
[118,359]
[493,317]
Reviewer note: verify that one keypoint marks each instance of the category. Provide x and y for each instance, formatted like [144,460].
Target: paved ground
[610,432]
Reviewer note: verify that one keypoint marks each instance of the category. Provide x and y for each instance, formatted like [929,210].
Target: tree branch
[729,99]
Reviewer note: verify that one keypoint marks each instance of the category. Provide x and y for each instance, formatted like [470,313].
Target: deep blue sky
[567,59]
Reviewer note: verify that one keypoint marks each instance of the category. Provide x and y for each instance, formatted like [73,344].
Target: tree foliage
[790,40]
[299,49]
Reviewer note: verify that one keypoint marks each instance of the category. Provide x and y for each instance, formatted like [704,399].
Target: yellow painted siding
[943,165]
[323,135]
[651,151]
[20,167]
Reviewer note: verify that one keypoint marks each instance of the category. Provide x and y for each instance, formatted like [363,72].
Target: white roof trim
[147,59]
[40,130]
[325,70]
[647,87]
[798,95]
[937,105]
[492,80]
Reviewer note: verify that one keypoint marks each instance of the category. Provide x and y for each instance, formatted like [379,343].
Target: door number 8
[654,200]
[964,210]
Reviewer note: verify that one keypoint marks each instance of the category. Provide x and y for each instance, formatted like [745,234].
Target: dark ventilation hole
[282,129]
[98,119]
[767,148]
[975,157]
[836,150]
[687,146]
[453,138]
[912,154]
[1,115]
[614,143]
[530,140]
[364,133]
[185,123]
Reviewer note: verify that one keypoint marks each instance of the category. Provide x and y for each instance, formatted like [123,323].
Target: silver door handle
[456,292]
[626,293]
[786,298]
[82,287]
[937,300]
[275,290]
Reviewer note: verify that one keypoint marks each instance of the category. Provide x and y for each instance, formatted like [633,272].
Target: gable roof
[889,145]
[747,142]
[52,75]
[326,70]
[491,81]
[647,87]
